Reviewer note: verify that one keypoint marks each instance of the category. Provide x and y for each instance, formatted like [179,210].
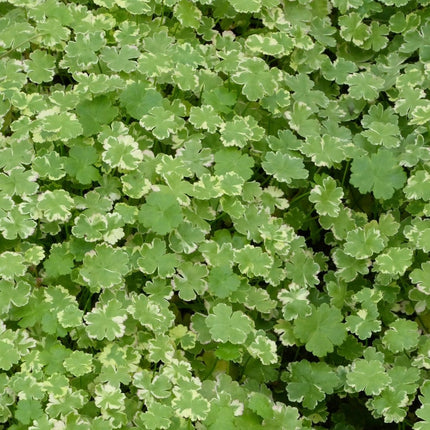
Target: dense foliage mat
[214,214]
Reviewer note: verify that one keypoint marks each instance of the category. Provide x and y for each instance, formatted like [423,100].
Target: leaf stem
[19,45]
[296,355]
[295,199]
[210,371]
[244,368]
[67,231]
[221,215]
[310,218]
[100,67]
[422,324]
[162,14]
[245,108]
[345,171]
[267,179]
[175,29]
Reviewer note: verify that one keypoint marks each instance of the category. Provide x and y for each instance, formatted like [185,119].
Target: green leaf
[220,98]
[222,281]
[135,184]
[366,320]
[402,335]
[27,410]
[368,376]
[186,237]
[185,77]
[228,326]
[353,29]
[424,411]
[364,85]
[104,267]
[269,44]
[190,404]
[418,186]
[13,294]
[12,265]
[16,153]
[418,233]
[157,387]
[81,53]
[55,205]
[136,7]
[80,162]
[264,349]
[308,383]
[327,197]
[161,122]
[417,39]
[208,187]
[19,182]
[154,257]
[156,417]
[246,6]
[54,125]
[41,67]
[295,302]
[205,117]
[394,260]
[302,268]
[92,114]
[367,174]
[108,397]
[49,166]
[380,133]
[364,242]
[392,405]
[421,114]
[339,70]
[187,14]
[106,321]
[421,277]
[216,254]
[254,74]
[284,167]
[79,363]
[197,197]
[90,228]
[240,131]
[139,98]
[119,60]
[152,313]
[327,150]
[9,354]
[253,261]
[321,330]
[349,267]
[121,152]
[59,261]
[161,212]
[17,222]
[195,158]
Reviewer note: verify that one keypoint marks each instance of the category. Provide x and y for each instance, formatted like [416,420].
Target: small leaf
[228,326]
[402,335]
[106,321]
[368,376]
[327,197]
[321,330]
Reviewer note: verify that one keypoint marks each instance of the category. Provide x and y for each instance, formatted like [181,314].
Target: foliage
[214,214]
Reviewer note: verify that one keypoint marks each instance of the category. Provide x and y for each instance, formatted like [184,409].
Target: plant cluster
[214,214]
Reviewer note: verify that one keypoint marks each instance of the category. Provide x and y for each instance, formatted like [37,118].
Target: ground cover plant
[214,214]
